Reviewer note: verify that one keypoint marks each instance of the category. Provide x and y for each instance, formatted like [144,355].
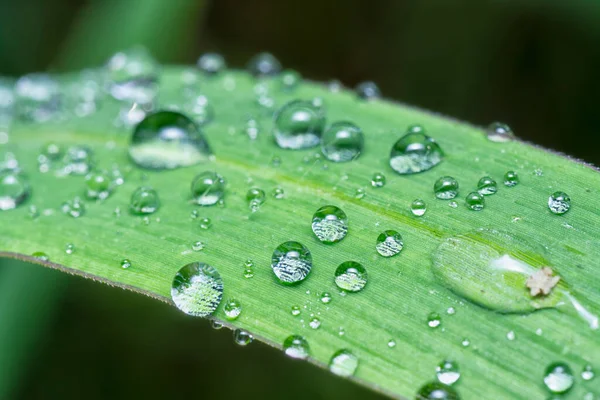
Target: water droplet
[216,325]
[559,203]
[198,246]
[255,198]
[40,255]
[211,63]
[278,193]
[360,193]
[314,323]
[341,331]
[205,223]
[75,208]
[296,346]
[98,185]
[133,75]
[475,201]
[343,363]
[242,338]
[588,373]
[351,276]
[197,289]
[37,97]
[330,224]
[415,152]
[335,86]
[251,128]
[342,142]
[295,311]
[14,190]
[167,140]
[69,248]
[291,262]
[378,180]
[499,132]
[232,309]
[437,391]
[448,372]
[208,188]
[391,343]
[418,207]
[451,311]
[486,186]
[466,342]
[326,298]
[78,160]
[389,243]
[434,320]
[299,125]
[144,201]
[446,188]
[290,79]
[125,263]
[368,90]
[558,378]
[511,179]
[510,335]
[453,204]
[264,65]
[199,109]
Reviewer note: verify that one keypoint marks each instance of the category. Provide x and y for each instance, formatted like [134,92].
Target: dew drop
[351,276]
[558,378]
[511,179]
[74,208]
[197,289]
[37,97]
[299,125]
[69,248]
[342,142]
[144,201]
[296,346]
[314,323]
[198,246]
[330,224]
[78,160]
[326,298]
[391,343]
[434,320]
[264,65]
[418,207]
[295,311]
[290,79]
[208,188]
[232,309]
[167,140]
[98,185]
[359,193]
[437,391]
[453,204]
[389,243]
[291,262]
[40,255]
[559,203]
[587,374]
[216,325]
[368,90]
[415,152]
[343,363]
[466,342]
[133,75]
[499,132]
[278,193]
[251,128]
[448,372]
[486,186]
[242,337]
[446,188]
[211,63]
[205,223]
[510,335]
[378,180]
[14,190]
[125,263]
[475,201]
[255,198]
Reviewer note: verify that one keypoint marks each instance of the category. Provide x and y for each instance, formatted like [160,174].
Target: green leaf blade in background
[402,290]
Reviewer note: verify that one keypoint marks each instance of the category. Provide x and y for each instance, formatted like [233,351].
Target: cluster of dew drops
[171,137]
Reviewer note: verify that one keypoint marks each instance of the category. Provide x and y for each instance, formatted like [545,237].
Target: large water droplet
[330,224]
[208,188]
[475,201]
[14,190]
[446,188]
[487,186]
[144,201]
[437,391]
[389,243]
[296,346]
[343,363]
[499,132]
[448,372]
[37,97]
[211,63]
[298,125]
[291,262]
[263,65]
[351,276]
[197,289]
[166,140]
[558,378]
[342,142]
[559,203]
[132,75]
[415,152]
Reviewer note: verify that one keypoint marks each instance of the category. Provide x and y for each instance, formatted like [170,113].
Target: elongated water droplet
[299,125]
[389,243]
[342,142]
[368,90]
[448,372]
[133,75]
[330,224]
[232,309]
[144,201]
[211,63]
[558,378]
[242,337]
[98,185]
[511,179]
[208,188]
[418,207]
[343,363]
[255,198]
[296,346]
[437,391]
[487,186]
[415,152]
[351,276]
[475,201]
[446,188]
[167,140]
[264,65]
[197,289]
[14,190]
[499,132]
[291,262]
[559,203]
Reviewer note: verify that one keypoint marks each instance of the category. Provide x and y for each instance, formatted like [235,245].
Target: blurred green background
[530,63]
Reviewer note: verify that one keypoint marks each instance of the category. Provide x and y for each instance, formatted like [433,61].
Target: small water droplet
[98,185]
[37,97]
[391,343]
[299,125]
[451,311]
[208,188]
[255,198]
[415,152]
[290,79]
[330,224]
[264,65]
[291,262]
[41,256]
[378,180]
[211,63]
[446,188]
[418,207]
[216,325]
[242,337]
[278,193]
[69,248]
[198,246]
[125,263]
[487,186]
[341,331]
[360,193]
[466,342]
[232,309]
[434,320]
[389,243]
[296,346]
[475,201]
[448,372]
[351,276]
[343,363]
[558,378]
[132,75]
[14,190]
[314,323]
[437,391]
[295,311]
[453,204]
[326,298]
[205,223]
[499,132]
[197,289]
[368,90]
[559,203]
[342,142]
[144,201]
[75,208]
[511,179]
[587,374]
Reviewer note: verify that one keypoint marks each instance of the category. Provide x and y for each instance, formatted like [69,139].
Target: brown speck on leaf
[542,281]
